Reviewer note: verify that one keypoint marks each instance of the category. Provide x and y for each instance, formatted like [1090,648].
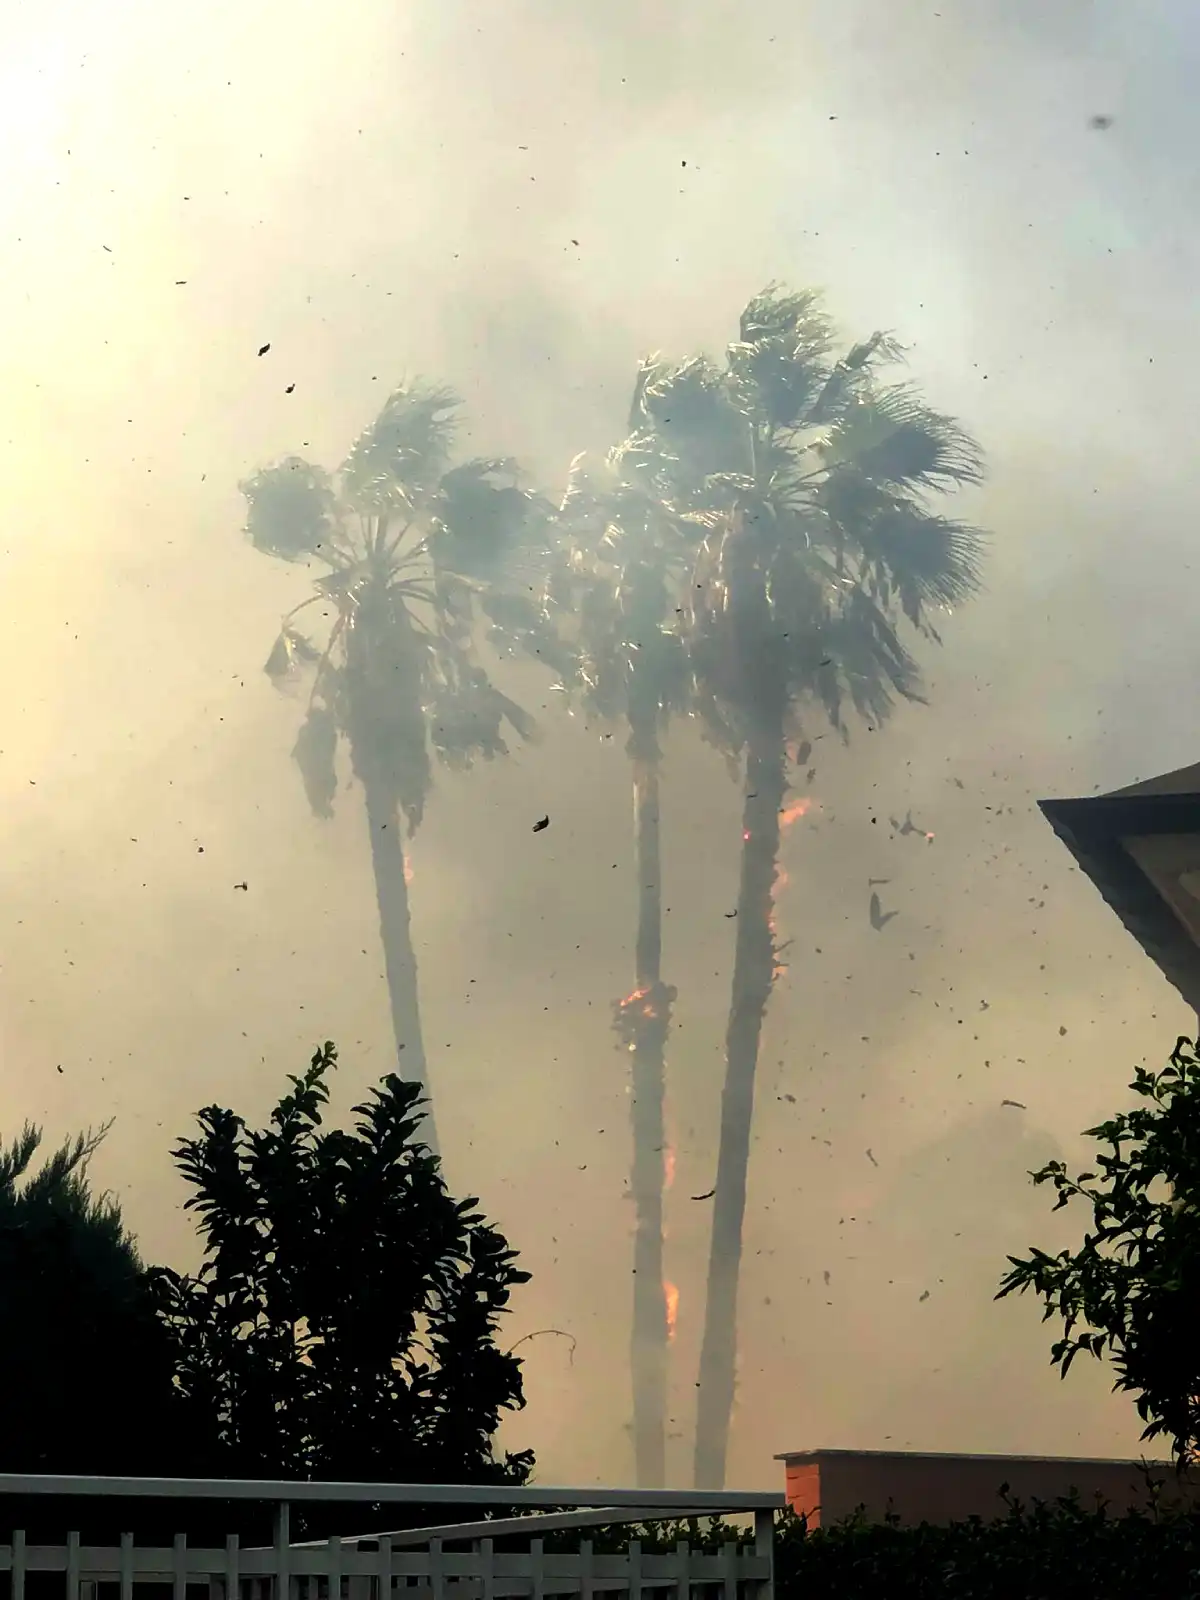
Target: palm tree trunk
[753,978]
[395,931]
[643,1020]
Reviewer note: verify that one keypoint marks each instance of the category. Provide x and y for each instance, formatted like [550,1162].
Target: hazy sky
[520,199]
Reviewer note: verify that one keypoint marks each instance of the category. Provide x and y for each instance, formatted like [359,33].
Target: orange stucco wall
[827,1485]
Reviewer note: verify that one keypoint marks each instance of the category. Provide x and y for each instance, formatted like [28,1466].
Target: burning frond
[671,1307]
[644,1017]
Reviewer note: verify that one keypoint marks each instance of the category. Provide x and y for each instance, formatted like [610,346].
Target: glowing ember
[639,1000]
[671,1299]
[408,869]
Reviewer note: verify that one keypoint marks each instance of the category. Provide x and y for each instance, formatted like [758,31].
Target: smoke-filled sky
[520,199]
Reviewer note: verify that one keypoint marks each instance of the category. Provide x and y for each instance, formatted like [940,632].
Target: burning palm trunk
[754,972]
[642,1022]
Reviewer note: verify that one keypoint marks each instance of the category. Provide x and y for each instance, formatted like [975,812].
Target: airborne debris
[241,885]
[925,1296]
[263,349]
[1017,1103]
[1100,122]
[59,1068]
[707,1195]
[871,882]
[542,825]
[908,826]
[290,388]
[728,914]
[872,1159]
[879,917]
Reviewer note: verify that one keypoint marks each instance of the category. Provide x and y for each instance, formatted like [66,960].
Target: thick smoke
[520,201]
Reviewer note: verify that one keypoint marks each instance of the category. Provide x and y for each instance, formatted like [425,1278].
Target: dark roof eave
[1092,830]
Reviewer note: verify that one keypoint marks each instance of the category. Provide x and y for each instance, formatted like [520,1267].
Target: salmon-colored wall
[827,1486]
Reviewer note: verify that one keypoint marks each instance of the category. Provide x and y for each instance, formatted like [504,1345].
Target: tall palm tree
[409,544]
[619,581]
[812,476]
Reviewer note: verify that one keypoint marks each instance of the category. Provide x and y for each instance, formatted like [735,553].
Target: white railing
[409,1564]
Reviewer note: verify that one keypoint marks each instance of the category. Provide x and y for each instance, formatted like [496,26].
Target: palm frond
[482,522]
[892,437]
[467,713]
[291,650]
[406,450]
[782,361]
[930,561]
[691,427]
[315,753]
[290,509]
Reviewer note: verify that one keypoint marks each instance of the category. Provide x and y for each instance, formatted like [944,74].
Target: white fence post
[764,1546]
[587,1586]
[18,1564]
[385,1567]
[334,1548]
[634,1558]
[283,1539]
[437,1581]
[487,1566]
[233,1574]
[179,1567]
[683,1584]
[125,1567]
[72,1566]
[729,1569]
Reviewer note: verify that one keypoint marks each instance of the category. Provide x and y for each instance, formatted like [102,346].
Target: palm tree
[812,478]
[618,582]
[409,543]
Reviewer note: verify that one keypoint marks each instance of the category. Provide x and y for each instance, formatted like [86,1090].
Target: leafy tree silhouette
[1131,1292]
[86,1366]
[342,1326]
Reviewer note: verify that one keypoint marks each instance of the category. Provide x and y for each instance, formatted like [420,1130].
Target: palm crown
[805,477]
[410,543]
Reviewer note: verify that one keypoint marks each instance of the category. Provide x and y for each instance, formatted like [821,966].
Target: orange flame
[792,813]
[671,1301]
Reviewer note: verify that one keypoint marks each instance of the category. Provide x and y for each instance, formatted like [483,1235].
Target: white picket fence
[413,1564]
